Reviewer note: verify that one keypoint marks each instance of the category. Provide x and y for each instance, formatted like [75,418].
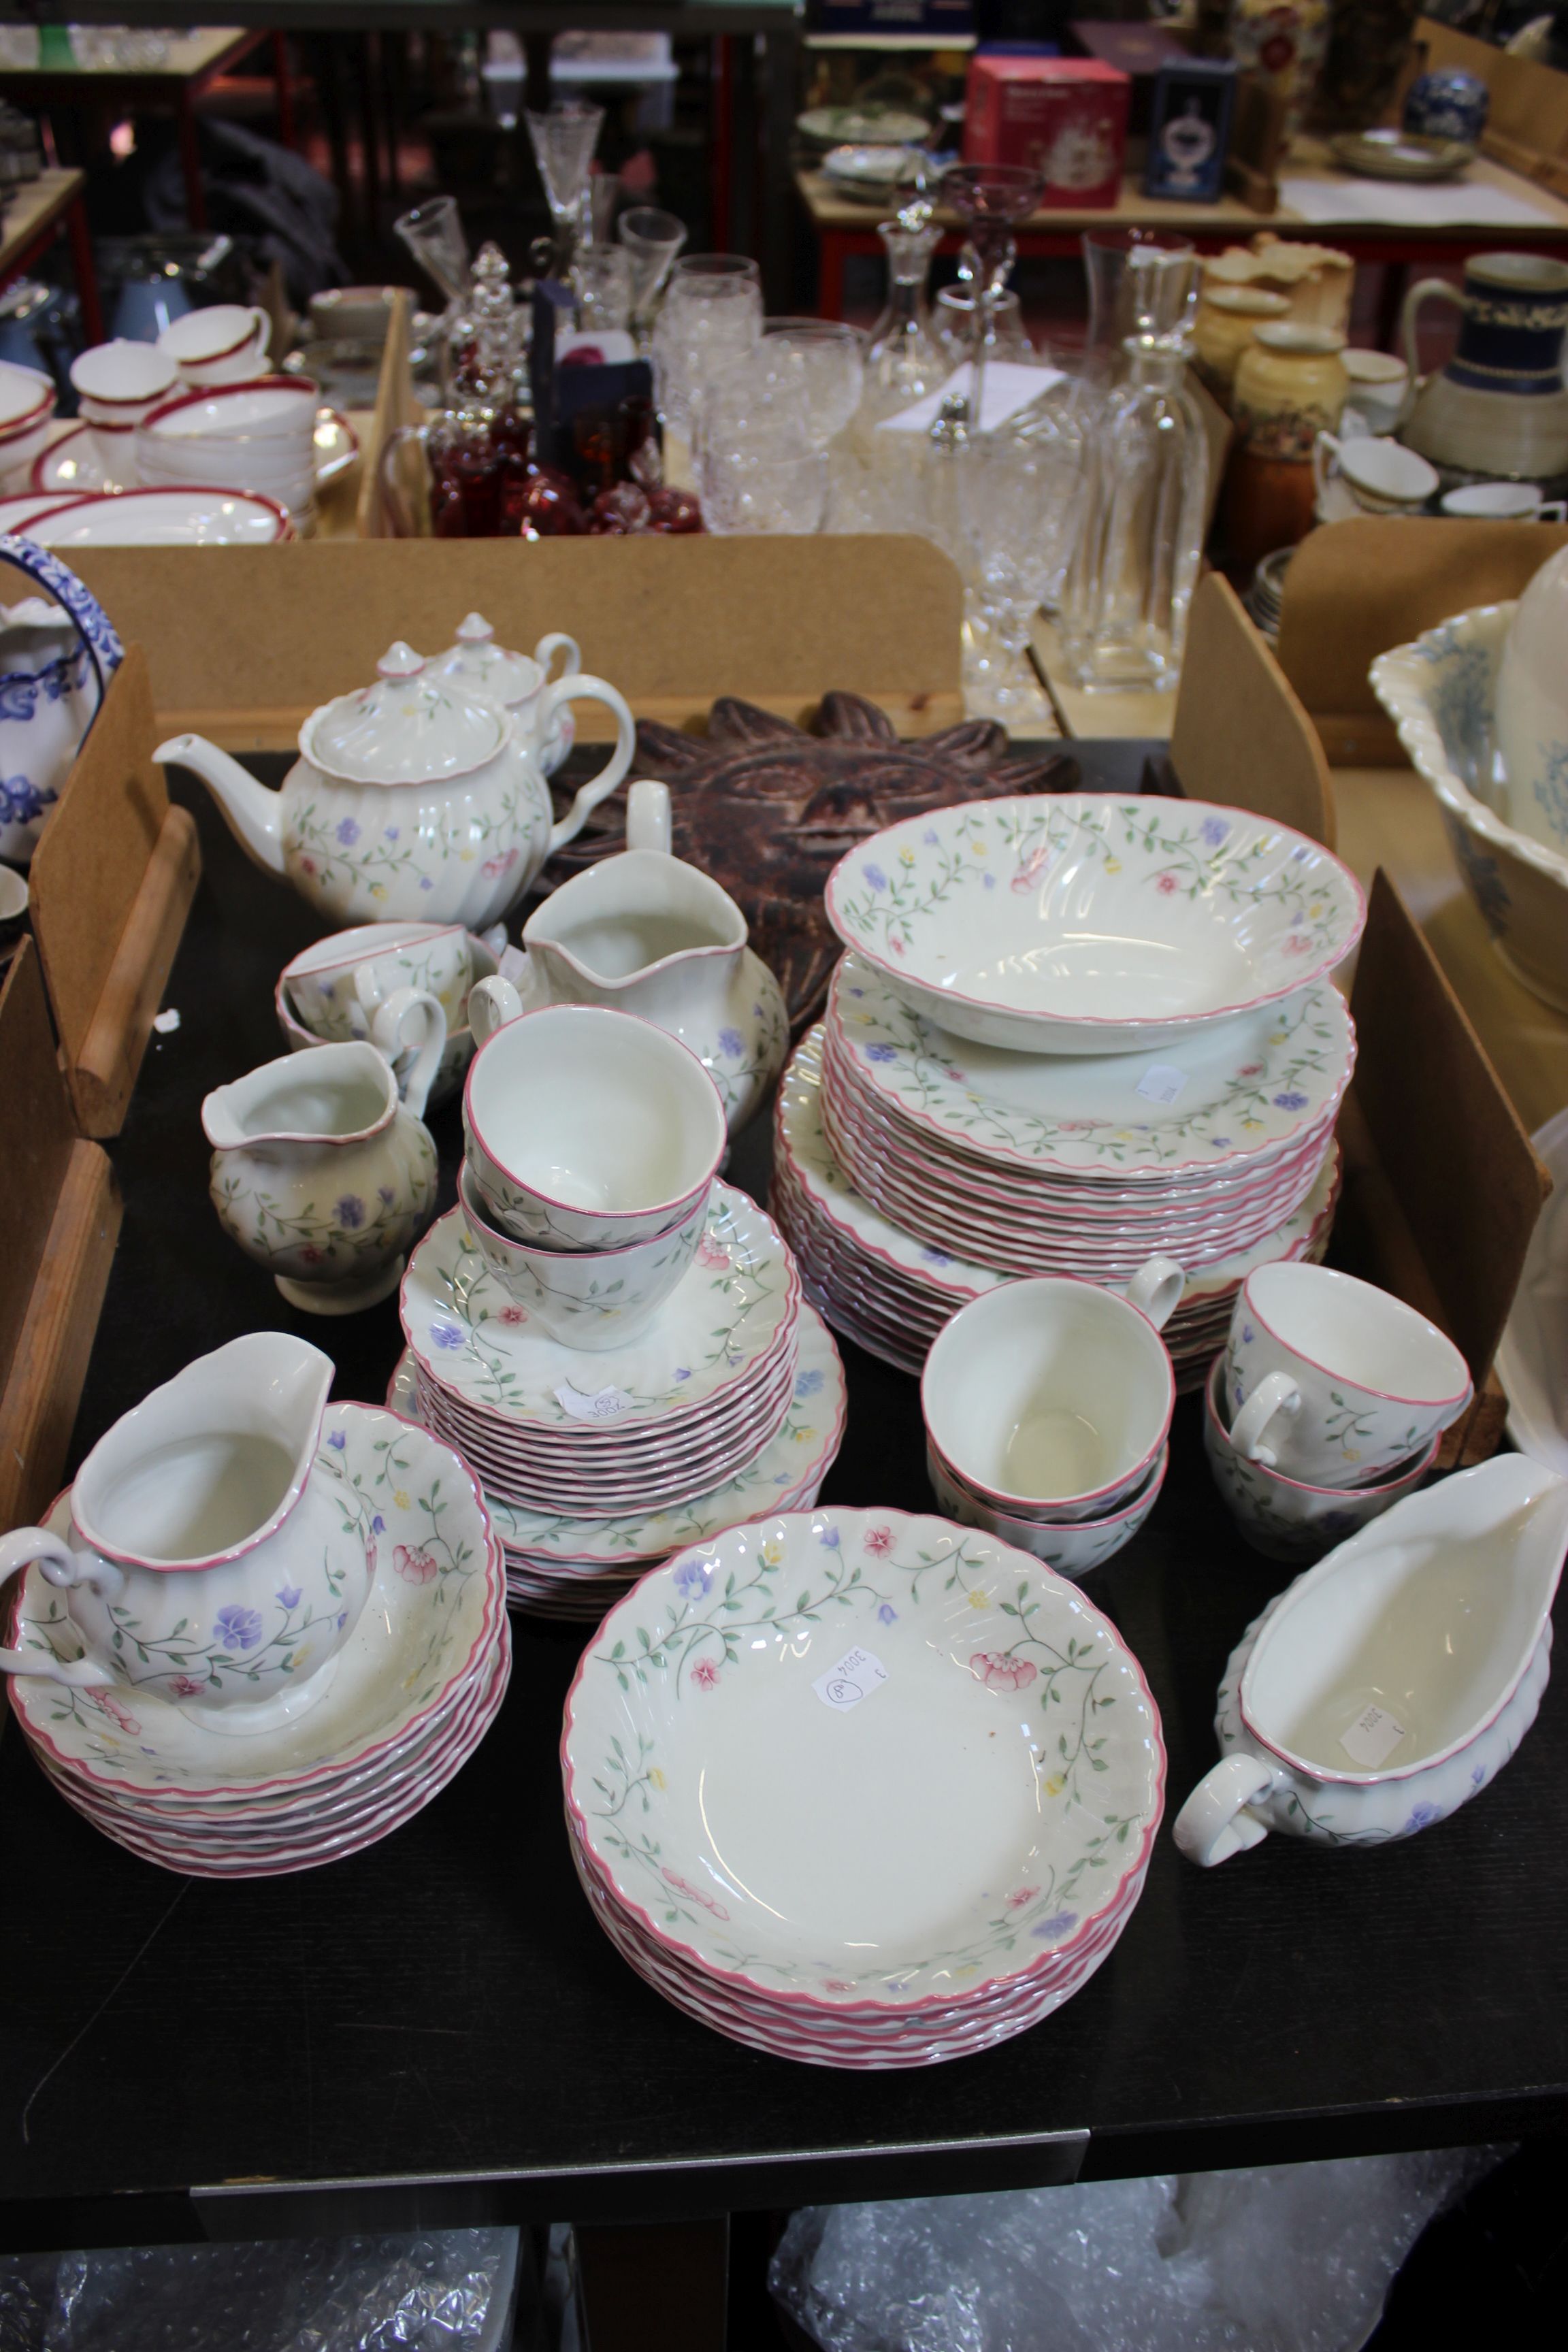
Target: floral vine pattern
[356,860]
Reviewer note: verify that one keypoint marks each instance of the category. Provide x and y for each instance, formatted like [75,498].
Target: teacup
[1055,1392]
[225,343]
[1381,475]
[210,1562]
[1284,1518]
[334,985]
[1503,502]
[587,1129]
[585,1298]
[1379,386]
[459,1049]
[1334,1382]
[1071,1547]
[119,384]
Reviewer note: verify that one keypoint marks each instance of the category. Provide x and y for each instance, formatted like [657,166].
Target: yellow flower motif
[1314,911]
[969,1969]
[980,849]
[1352,1455]
[1276,1037]
[656,1778]
[1252,1122]
[772,1552]
[305,1651]
[1113,865]
[400,1496]
[1056,1784]
[804,1436]
[906,857]
[378,889]
[978,1600]
[468,856]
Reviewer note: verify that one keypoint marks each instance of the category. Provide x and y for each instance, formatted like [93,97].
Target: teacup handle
[1325,447]
[1435,289]
[389,1033]
[545,651]
[647,816]
[1156,1289]
[60,1566]
[1554,510]
[492,1005]
[1215,1824]
[581,687]
[1276,1392]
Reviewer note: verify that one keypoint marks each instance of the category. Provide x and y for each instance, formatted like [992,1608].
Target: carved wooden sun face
[768,810]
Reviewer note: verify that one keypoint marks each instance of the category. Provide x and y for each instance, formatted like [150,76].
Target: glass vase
[903,359]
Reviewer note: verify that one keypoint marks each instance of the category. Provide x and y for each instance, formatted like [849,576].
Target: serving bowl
[1082,923]
[1441,693]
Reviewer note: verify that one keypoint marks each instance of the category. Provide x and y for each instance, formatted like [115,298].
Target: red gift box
[1066,117]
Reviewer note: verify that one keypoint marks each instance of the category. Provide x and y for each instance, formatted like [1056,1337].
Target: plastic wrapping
[429,2292]
[1298,2258]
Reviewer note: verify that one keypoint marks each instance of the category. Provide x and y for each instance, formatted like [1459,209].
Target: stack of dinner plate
[860,1788]
[596,1464]
[406,1701]
[890,1291]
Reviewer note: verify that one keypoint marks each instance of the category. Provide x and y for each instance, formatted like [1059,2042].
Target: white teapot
[517,681]
[413,799]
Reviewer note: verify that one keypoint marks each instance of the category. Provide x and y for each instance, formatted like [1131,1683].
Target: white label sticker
[1161,1083]
[1373,1735]
[855,1677]
[609,1404]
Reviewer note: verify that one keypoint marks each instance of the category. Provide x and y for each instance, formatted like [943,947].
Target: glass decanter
[1124,610]
[903,359]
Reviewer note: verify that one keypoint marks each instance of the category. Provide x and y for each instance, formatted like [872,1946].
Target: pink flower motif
[837,1984]
[1295,945]
[958,1077]
[311,1255]
[307,866]
[1250,1070]
[186,1686]
[515,1315]
[117,1712]
[1030,874]
[710,1252]
[1021,1896]
[898,947]
[415,1565]
[370,1555]
[705,1674]
[878,1540]
[998,1672]
[1167,883]
[493,866]
[694,1894]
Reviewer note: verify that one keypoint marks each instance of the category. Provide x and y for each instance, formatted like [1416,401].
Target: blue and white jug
[58,654]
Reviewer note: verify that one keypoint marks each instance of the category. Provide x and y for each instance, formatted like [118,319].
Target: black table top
[436,2029]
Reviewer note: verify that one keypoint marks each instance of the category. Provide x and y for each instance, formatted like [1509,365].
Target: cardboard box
[1066,117]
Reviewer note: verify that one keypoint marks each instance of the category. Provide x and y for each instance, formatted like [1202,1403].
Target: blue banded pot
[1448,103]
[58,654]
[1499,408]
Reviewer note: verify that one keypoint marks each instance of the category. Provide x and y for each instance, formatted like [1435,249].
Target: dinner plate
[159,517]
[1081,923]
[855,1756]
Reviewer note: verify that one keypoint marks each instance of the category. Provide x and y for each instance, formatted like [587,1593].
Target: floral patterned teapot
[58,654]
[517,681]
[414,798]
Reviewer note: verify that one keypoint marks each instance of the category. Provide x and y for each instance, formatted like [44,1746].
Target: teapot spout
[253,814]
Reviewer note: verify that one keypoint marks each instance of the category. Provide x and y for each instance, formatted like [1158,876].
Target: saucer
[71,463]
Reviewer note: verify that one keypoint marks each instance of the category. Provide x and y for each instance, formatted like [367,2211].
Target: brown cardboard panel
[396,407]
[677,621]
[42,1387]
[1241,735]
[38,1135]
[1527,127]
[112,880]
[1353,589]
[1443,1188]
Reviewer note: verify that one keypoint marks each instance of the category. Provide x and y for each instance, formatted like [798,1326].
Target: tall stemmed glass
[652,238]
[990,199]
[563,139]
[433,231]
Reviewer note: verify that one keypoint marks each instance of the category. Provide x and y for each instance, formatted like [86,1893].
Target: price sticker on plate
[1372,1737]
[855,1677]
[1161,1083]
[605,1404]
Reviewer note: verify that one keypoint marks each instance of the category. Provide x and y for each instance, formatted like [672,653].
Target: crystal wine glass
[990,199]
[563,139]
[652,238]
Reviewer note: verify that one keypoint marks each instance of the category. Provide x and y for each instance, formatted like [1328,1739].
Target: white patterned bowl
[1441,693]
[1072,1547]
[1081,923]
[585,1298]
[1280,1516]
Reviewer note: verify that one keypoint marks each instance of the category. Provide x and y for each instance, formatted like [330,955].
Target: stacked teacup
[613,1339]
[118,384]
[1047,1412]
[1328,1405]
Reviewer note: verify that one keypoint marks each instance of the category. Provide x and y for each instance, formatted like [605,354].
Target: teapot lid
[413,727]
[477,661]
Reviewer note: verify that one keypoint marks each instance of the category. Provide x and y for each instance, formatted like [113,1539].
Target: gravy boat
[215,1558]
[1394,1680]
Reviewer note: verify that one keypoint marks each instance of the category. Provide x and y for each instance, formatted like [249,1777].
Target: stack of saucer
[411,1694]
[816,1827]
[891,1290]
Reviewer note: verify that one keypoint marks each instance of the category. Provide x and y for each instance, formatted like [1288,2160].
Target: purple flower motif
[683,1372]
[988,881]
[1422,1817]
[338,1440]
[931,838]
[875,877]
[347,832]
[936,1257]
[1288,1101]
[887,1614]
[809,1382]
[342,1619]
[237,1628]
[1058,1924]
[881,1052]
[856,992]
[350,1212]
[1248,1335]
[288,1596]
[1477,1776]
[731,1042]
[378,1524]
[445,1335]
[386,1195]
[1214,830]
[692,1578]
[391,832]
[828,1539]
[1300,854]
[425,883]
[1220,1142]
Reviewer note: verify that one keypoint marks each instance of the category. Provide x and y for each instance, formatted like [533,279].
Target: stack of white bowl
[117,385]
[612,1338]
[257,436]
[26,411]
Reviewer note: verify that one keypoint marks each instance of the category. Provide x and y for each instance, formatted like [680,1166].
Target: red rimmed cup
[223,343]
[587,1129]
[1053,1396]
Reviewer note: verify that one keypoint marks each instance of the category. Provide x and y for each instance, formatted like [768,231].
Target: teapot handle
[1408,316]
[387,1034]
[545,651]
[61,1567]
[1215,1824]
[580,688]
[104,651]
[647,816]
